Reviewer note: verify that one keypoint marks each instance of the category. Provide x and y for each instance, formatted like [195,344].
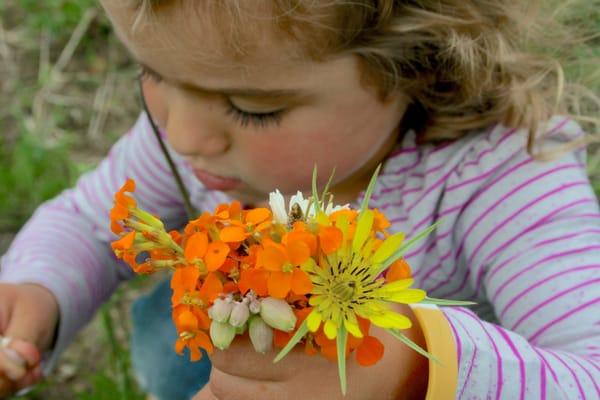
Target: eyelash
[259,120]
[244,118]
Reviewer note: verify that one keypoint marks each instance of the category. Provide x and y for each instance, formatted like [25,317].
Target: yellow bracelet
[443,374]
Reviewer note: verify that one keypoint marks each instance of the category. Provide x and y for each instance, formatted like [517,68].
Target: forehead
[208,34]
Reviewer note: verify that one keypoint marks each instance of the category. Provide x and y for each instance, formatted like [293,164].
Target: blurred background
[67,92]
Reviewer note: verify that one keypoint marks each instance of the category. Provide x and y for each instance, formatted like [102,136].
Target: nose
[194,128]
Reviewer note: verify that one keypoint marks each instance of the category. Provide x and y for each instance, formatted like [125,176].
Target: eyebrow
[273,94]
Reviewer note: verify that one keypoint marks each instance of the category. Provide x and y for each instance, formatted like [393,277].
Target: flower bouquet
[311,273]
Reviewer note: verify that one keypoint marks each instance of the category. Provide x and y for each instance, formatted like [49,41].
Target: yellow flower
[347,284]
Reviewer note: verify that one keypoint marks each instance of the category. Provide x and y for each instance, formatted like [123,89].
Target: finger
[26,350]
[12,365]
[31,378]
[204,394]
[240,359]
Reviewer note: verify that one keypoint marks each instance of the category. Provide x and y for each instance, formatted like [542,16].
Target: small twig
[101,101]
[67,53]
[63,60]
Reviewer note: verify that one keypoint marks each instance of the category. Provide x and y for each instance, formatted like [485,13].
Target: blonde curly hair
[465,64]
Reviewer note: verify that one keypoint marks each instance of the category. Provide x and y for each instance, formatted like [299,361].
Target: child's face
[265,119]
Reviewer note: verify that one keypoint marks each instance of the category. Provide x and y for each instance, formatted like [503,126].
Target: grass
[66,94]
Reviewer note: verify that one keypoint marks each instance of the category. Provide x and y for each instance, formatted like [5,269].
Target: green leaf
[302,330]
[444,302]
[404,339]
[328,185]
[406,245]
[341,339]
[365,202]
[315,192]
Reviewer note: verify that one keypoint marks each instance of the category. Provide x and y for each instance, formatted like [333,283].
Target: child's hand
[28,316]
[241,373]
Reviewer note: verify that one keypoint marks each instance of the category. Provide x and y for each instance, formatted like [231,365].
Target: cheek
[288,158]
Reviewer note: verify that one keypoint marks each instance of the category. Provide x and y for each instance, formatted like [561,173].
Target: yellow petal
[363,228]
[398,285]
[391,320]
[330,330]
[343,223]
[322,219]
[388,247]
[407,296]
[313,321]
[353,328]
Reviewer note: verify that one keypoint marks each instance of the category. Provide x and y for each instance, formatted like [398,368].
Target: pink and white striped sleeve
[530,248]
[64,246]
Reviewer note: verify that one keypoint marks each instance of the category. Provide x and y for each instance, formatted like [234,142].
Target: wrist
[47,313]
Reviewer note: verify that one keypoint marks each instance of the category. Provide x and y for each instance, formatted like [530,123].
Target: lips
[216,182]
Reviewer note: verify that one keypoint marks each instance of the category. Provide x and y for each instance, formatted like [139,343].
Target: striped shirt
[518,236]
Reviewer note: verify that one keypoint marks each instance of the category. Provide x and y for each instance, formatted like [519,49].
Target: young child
[249,96]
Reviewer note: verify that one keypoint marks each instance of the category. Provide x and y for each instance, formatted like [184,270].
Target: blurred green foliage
[30,173]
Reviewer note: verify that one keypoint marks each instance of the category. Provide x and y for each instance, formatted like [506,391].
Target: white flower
[281,213]
[277,204]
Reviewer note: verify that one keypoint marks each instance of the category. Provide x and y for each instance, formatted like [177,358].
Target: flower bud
[221,334]
[220,310]
[240,330]
[278,314]
[254,306]
[261,335]
[239,315]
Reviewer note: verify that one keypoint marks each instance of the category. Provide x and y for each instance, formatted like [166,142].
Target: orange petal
[179,346]
[271,257]
[202,317]
[118,212]
[235,210]
[298,252]
[202,340]
[279,284]
[281,338]
[187,321]
[301,315]
[196,246]
[116,228]
[232,234]
[301,283]
[330,239]
[330,352]
[195,353]
[124,243]
[185,278]
[215,255]
[128,186]
[212,287]
[369,352]
[255,279]
[398,270]
[258,215]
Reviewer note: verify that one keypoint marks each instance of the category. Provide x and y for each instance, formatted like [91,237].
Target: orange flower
[184,280]
[282,260]
[191,336]
[123,203]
